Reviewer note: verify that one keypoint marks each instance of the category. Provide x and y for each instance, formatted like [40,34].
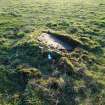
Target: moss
[2,40]
[100,23]
[48,83]
[32,96]
[30,72]
[17,48]
[67,65]
[20,34]
[56,83]
[90,43]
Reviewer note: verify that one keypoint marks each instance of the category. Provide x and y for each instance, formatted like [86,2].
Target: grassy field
[25,72]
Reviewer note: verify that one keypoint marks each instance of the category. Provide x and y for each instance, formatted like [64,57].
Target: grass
[21,22]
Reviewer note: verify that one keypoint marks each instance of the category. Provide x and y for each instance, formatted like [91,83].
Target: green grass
[21,22]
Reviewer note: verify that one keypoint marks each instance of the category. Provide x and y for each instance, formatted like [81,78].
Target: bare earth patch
[53,42]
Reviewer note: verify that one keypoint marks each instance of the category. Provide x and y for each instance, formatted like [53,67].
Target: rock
[53,42]
[56,74]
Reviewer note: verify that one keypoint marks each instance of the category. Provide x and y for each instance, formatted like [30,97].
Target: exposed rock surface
[53,42]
